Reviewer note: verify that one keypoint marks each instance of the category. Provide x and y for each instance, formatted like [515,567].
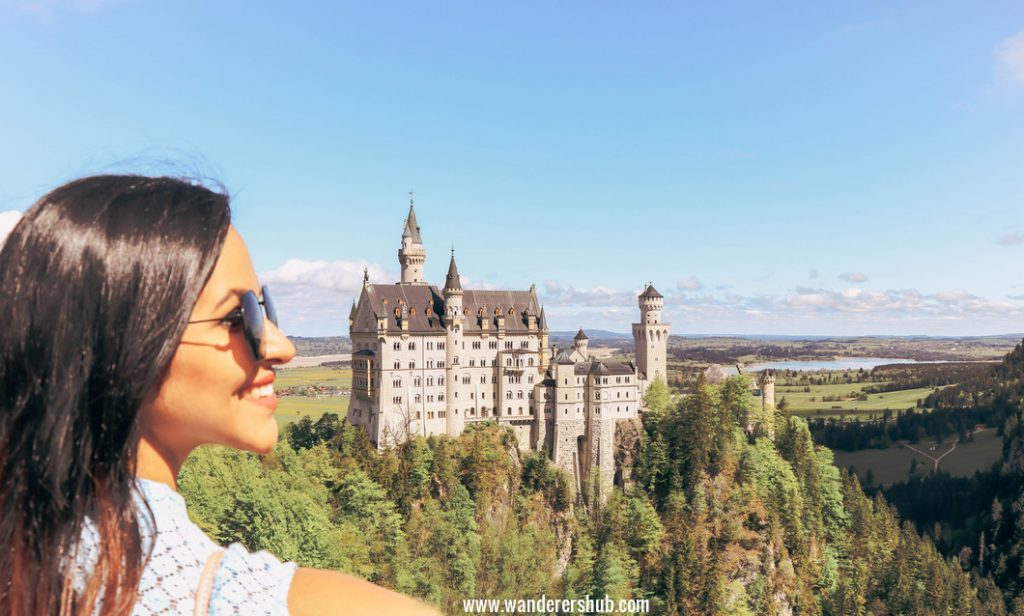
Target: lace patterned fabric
[253,583]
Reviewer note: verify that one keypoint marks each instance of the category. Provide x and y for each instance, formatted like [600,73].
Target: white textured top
[245,582]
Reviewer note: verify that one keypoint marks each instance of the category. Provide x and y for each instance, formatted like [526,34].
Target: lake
[840,363]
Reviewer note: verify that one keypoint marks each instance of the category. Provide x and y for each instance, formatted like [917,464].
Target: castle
[430,361]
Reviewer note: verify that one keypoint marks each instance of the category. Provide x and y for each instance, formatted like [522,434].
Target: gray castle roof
[650,291]
[563,358]
[598,368]
[580,335]
[426,307]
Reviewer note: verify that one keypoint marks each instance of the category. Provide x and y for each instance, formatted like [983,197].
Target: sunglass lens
[252,318]
[268,304]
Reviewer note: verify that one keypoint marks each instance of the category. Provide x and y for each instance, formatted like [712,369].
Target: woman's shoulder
[244,581]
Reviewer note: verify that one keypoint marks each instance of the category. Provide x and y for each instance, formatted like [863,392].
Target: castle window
[483,379]
[472,396]
[440,381]
[597,395]
[412,365]
[529,362]
[494,379]
[508,344]
[396,383]
[520,395]
[493,344]
[520,410]
[508,395]
[430,346]
[566,381]
[456,360]
[440,397]
[511,312]
[430,363]
[417,382]
[524,345]
[430,414]
[430,381]
[509,411]
[627,408]
[417,414]
[508,361]
[476,344]
[430,398]
[397,346]
[440,346]
[398,364]
[566,396]
[465,380]
[529,379]
[417,399]
[472,363]
[441,414]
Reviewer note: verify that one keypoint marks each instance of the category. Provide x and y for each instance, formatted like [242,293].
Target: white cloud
[853,277]
[314,297]
[554,293]
[1010,239]
[7,222]
[690,284]
[1011,58]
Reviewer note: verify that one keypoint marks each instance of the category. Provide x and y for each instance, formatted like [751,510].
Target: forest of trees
[912,426]
[978,520]
[714,521]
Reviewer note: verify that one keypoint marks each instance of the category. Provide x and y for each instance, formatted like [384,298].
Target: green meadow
[293,408]
[892,465]
[810,403]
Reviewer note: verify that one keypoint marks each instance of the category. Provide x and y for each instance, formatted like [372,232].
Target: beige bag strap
[205,587]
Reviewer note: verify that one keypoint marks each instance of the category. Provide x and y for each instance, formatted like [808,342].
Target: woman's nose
[279,349]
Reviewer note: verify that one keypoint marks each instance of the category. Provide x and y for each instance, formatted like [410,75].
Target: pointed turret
[580,343]
[543,319]
[352,313]
[412,230]
[411,255]
[452,280]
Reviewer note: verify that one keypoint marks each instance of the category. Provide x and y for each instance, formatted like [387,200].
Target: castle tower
[766,383]
[411,255]
[580,343]
[542,324]
[454,416]
[650,336]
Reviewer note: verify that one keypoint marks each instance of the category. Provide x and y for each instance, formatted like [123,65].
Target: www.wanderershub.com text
[547,605]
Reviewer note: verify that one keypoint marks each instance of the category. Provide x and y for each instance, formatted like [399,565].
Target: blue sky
[773,168]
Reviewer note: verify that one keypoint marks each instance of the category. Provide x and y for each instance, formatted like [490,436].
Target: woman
[133,329]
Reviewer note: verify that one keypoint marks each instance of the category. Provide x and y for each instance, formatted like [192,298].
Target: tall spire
[452,280]
[543,319]
[412,230]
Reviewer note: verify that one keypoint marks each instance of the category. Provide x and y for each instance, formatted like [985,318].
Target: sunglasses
[249,317]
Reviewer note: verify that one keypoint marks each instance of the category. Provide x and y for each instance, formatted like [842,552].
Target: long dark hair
[97,282]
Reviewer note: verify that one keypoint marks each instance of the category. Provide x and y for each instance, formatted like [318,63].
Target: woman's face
[214,390]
